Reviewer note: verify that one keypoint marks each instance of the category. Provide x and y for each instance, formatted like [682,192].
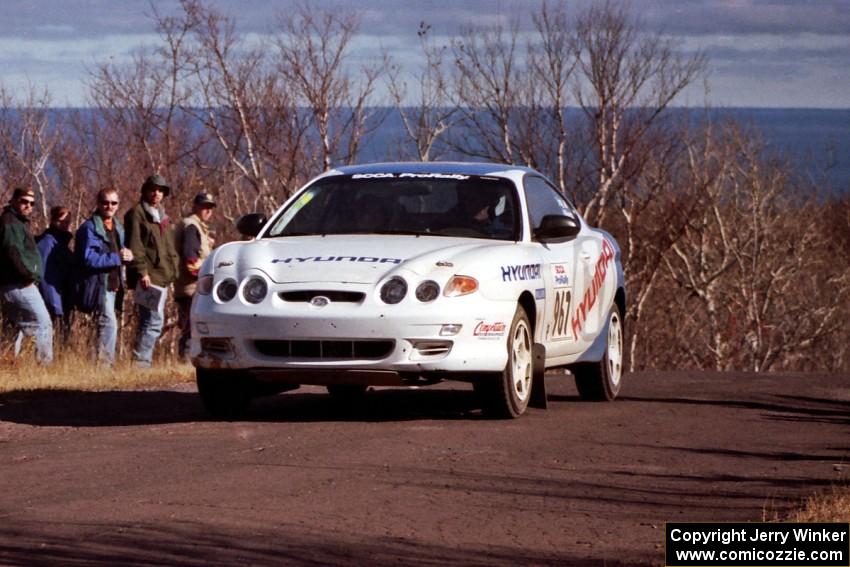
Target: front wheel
[600,381]
[507,395]
[225,394]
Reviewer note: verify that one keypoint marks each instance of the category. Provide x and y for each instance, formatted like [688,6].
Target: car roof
[448,167]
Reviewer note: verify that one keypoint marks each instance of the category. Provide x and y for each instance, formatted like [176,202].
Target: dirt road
[410,477]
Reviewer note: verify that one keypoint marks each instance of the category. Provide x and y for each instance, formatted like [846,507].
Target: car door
[563,270]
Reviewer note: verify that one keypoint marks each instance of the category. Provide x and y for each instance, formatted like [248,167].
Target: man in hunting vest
[194,243]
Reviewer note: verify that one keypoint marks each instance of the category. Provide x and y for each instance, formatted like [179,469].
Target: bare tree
[495,98]
[750,259]
[431,114]
[312,58]
[626,80]
[552,63]
[27,138]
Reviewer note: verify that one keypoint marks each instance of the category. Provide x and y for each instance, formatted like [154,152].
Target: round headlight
[393,291]
[255,289]
[427,291]
[226,290]
[205,284]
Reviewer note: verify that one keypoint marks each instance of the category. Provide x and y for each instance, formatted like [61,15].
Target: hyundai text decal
[364,259]
[592,291]
[521,273]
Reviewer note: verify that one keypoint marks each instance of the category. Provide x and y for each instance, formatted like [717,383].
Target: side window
[543,199]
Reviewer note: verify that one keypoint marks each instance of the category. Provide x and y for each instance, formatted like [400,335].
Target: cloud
[789,46]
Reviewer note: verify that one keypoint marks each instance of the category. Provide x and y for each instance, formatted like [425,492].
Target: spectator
[57,262]
[151,240]
[100,252]
[20,273]
[194,243]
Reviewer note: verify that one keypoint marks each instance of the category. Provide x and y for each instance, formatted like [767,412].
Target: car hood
[362,259]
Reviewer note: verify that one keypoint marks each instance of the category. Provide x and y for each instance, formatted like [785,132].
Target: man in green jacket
[150,237]
[20,273]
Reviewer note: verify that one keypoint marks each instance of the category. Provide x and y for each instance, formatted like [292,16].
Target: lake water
[816,140]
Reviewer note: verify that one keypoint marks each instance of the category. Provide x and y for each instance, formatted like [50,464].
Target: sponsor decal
[540,293]
[364,259]
[483,329]
[457,176]
[521,273]
[559,274]
[592,292]
[444,264]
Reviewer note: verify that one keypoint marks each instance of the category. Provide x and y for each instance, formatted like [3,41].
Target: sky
[761,53]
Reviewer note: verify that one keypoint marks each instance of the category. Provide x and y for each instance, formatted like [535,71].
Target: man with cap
[20,274]
[194,243]
[149,237]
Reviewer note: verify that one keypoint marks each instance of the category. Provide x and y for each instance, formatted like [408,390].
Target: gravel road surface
[409,477]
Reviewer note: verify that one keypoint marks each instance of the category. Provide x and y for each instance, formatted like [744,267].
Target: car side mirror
[251,224]
[555,227]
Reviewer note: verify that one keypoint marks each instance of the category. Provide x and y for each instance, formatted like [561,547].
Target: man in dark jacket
[100,251]
[57,268]
[154,266]
[20,273]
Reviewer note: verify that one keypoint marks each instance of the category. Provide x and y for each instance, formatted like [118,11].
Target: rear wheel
[225,394]
[600,381]
[507,394]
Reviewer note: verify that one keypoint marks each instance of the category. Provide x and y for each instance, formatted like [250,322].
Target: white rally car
[408,274]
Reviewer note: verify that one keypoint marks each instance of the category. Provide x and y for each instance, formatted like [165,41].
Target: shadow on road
[189,543]
[128,408]
[786,408]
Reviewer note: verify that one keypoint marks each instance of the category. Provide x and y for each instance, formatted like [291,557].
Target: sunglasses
[27,202]
[113,203]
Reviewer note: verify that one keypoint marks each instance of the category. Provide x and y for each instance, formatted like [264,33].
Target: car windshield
[399,203]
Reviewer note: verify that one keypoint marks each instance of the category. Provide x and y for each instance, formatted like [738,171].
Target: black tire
[601,381]
[224,394]
[506,395]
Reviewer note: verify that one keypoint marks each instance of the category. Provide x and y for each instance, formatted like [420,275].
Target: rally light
[427,291]
[394,290]
[255,289]
[460,285]
[205,285]
[226,290]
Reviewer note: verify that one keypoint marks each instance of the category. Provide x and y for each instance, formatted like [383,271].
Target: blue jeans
[107,329]
[150,327]
[27,311]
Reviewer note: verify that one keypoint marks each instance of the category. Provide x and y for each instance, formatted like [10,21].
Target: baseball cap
[204,198]
[156,180]
[20,192]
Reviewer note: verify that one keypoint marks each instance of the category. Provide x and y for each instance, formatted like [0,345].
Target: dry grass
[830,506]
[74,372]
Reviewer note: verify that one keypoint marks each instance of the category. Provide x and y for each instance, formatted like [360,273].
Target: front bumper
[363,342]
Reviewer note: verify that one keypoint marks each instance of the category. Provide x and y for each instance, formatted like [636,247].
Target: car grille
[304,296]
[325,349]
